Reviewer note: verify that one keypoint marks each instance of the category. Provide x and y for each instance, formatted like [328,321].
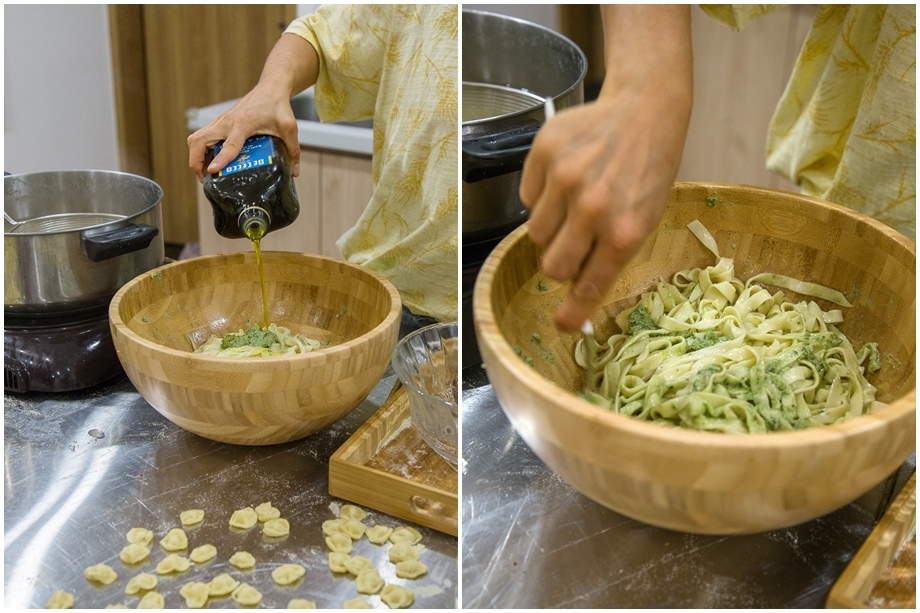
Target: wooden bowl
[158,317]
[698,482]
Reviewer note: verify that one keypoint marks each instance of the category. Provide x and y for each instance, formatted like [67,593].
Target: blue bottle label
[257,151]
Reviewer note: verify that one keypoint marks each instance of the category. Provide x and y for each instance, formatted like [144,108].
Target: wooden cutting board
[883,573]
[387,466]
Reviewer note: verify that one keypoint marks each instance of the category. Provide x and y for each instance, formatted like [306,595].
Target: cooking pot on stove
[81,235]
[510,67]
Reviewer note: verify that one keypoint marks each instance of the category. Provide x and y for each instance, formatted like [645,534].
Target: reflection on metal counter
[84,468]
[531,540]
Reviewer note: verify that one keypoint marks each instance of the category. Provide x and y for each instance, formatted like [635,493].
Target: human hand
[261,111]
[597,180]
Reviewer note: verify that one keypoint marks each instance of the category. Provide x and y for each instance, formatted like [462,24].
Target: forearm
[291,67]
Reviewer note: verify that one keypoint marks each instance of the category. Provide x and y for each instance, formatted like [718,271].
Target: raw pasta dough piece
[242,560]
[368,582]
[60,600]
[152,600]
[287,574]
[378,535]
[133,553]
[333,526]
[221,585]
[340,543]
[397,597]
[244,519]
[410,569]
[203,553]
[400,552]
[357,603]
[102,573]
[337,562]
[173,563]
[195,594]
[354,529]
[142,536]
[246,595]
[350,511]
[301,603]
[357,564]
[175,540]
[405,534]
[266,511]
[276,527]
[191,517]
[142,582]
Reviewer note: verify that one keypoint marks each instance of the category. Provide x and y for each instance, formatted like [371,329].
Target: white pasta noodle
[707,351]
[288,343]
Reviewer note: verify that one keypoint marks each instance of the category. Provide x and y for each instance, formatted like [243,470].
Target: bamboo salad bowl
[709,483]
[159,317]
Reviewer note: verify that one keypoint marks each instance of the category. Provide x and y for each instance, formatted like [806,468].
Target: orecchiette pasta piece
[276,527]
[141,536]
[221,585]
[337,562]
[133,553]
[400,552]
[340,543]
[378,534]
[244,519]
[266,511]
[287,574]
[203,553]
[350,511]
[191,517]
[405,534]
[357,564]
[242,560]
[368,582]
[60,600]
[354,529]
[410,569]
[175,540]
[152,600]
[397,597]
[333,526]
[301,603]
[102,573]
[142,582]
[173,563]
[195,594]
[246,595]
[357,603]
[115,606]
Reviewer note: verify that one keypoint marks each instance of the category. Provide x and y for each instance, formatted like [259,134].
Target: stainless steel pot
[97,231]
[510,67]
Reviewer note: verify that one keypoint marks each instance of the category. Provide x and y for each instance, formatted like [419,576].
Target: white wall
[59,101]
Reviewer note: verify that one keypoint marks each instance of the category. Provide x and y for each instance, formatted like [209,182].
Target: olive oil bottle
[255,193]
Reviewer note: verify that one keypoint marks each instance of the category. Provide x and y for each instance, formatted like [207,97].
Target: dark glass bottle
[255,193]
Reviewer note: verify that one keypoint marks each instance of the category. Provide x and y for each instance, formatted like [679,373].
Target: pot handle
[130,238]
[497,154]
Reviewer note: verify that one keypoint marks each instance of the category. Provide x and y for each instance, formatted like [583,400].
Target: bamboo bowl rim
[274,362]
[562,399]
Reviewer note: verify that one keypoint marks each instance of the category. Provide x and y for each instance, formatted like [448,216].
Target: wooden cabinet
[333,190]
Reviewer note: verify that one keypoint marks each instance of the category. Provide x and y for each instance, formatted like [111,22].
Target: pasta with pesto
[257,343]
[707,351]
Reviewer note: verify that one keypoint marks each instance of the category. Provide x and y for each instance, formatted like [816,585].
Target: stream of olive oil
[256,237]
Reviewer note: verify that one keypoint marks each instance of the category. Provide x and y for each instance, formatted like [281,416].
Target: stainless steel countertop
[529,540]
[82,468]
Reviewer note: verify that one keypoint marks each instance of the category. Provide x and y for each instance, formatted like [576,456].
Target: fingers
[585,296]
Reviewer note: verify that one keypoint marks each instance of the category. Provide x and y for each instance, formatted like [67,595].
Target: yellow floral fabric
[845,127]
[398,65]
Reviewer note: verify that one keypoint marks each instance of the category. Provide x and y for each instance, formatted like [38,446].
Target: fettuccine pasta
[284,342]
[708,351]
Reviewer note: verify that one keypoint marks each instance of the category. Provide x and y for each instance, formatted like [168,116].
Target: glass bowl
[426,364]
